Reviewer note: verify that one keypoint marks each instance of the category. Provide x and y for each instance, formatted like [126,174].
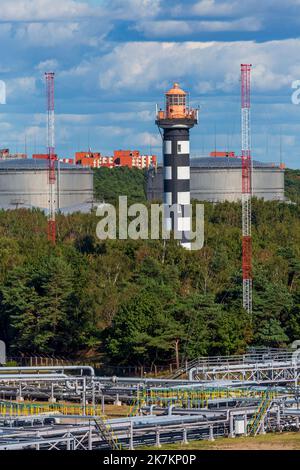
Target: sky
[114,59]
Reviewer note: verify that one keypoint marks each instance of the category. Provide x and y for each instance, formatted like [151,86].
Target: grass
[270,441]
[113,411]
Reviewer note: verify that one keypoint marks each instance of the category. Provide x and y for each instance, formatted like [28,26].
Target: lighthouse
[176,120]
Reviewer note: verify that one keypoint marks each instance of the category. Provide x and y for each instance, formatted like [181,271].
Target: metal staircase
[138,402]
[183,370]
[134,408]
[255,424]
[107,434]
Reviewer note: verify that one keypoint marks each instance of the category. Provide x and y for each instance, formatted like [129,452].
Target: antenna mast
[246,188]
[51,156]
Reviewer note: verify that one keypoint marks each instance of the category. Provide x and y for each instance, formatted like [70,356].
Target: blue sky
[115,58]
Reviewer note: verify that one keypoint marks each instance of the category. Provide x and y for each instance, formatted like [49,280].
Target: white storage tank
[220,179]
[24,183]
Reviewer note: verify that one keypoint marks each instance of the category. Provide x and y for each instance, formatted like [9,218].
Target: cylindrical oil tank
[24,183]
[220,179]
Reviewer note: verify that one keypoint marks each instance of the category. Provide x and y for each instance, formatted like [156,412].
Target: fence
[101,369]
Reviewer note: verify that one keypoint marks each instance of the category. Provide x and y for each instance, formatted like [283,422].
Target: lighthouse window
[176,100]
[183,147]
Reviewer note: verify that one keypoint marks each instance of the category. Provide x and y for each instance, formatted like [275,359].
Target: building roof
[225,162]
[35,164]
[176,90]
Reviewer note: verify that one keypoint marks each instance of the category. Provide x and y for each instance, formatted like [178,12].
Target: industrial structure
[220,179]
[64,407]
[246,188]
[176,121]
[45,181]
[49,76]
[24,183]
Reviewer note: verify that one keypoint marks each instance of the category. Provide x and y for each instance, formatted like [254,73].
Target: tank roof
[35,164]
[225,162]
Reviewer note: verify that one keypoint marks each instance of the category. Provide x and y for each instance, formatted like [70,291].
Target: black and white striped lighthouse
[176,120]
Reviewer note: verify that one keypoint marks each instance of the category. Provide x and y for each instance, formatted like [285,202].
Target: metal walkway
[263,356]
[279,367]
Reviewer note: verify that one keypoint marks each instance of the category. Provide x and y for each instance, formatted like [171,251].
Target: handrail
[47,368]
[258,417]
[248,358]
[189,114]
[107,433]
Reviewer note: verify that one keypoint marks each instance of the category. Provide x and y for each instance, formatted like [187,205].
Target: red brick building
[223,154]
[130,158]
[133,159]
[93,159]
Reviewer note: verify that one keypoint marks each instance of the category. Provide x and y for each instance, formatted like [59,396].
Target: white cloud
[116,84]
[5,127]
[45,10]
[215,8]
[33,132]
[111,131]
[133,9]
[73,118]
[52,34]
[203,87]
[64,10]
[267,10]
[164,29]
[40,118]
[144,116]
[144,139]
[20,86]
[143,66]
[47,65]
[91,119]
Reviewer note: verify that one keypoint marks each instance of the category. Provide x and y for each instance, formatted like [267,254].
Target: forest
[146,302]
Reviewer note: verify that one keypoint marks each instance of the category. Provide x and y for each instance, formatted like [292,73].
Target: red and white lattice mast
[51,156]
[246,188]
